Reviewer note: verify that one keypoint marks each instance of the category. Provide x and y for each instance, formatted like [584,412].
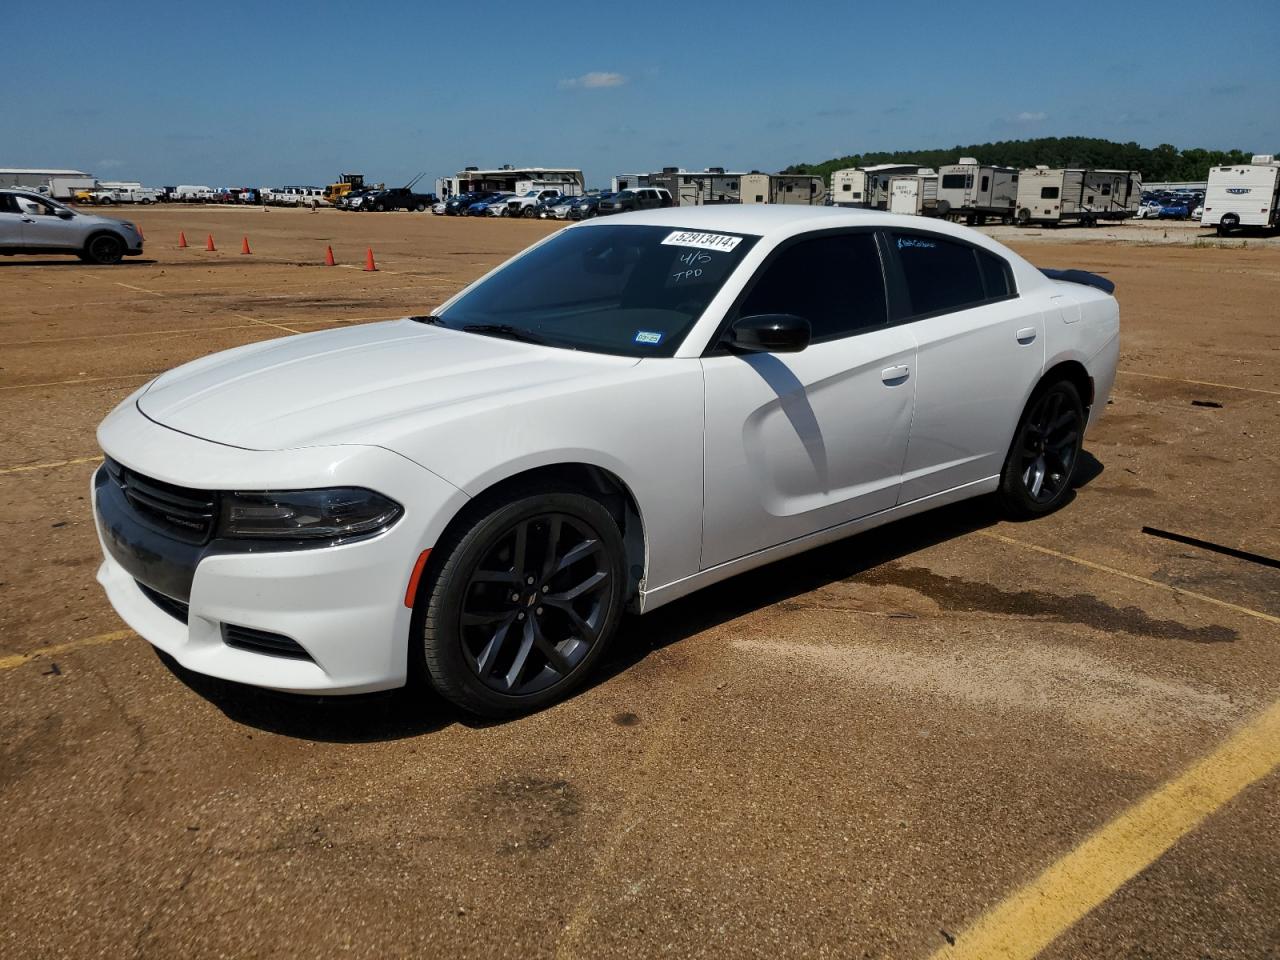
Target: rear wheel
[1037,473]
[526,601]
[104,248]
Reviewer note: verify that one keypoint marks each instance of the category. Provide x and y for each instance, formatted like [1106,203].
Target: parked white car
[110,195]
[631,409]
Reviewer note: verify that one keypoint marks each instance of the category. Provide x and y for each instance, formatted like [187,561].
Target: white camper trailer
[869,186]
[1084,196]
[793,188]
[1246,195]
[914,194]
[971,191]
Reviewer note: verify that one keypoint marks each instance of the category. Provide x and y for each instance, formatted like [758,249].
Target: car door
[798,442]
[980,350]
[42,227]
[11,218]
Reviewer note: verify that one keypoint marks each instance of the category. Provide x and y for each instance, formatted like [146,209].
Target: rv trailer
[511,179]
[693,188]
[792,188]
[868,186]
[1246,195]
[1085,196]
[973,191]
[628,181]
[914,194]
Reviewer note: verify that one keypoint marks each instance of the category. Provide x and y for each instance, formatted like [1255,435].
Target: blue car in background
[1172,209]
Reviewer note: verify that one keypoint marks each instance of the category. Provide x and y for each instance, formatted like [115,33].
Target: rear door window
[940,275]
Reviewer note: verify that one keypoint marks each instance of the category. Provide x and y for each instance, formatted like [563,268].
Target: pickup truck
[526,205]
[124,195]
[398,198]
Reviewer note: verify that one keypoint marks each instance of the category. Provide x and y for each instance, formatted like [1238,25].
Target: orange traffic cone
[369,265]
[182,240]
[208,244]
[328,257]
[244,246]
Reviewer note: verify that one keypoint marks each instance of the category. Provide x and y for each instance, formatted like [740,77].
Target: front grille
[185,512]
[174,608]
[260,641]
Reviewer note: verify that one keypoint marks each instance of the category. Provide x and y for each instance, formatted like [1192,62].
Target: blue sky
[268,94]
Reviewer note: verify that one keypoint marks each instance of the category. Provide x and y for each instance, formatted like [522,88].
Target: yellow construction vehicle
[346,183]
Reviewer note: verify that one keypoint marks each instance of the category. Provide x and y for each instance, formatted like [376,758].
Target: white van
[1247,195]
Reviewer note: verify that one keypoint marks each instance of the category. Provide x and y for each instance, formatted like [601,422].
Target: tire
[421,208]
[379,208]
[530,213]
[1036,478]
[103,249]
[503,663]
[1024,217]
[1228,223]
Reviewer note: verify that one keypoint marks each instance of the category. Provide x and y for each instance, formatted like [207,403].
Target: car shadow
[70,261]
[416,710]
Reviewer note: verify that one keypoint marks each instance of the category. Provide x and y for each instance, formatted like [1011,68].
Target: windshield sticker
[703,241]
[913,242]
[650,337]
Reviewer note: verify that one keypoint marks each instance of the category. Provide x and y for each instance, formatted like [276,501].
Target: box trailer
[65,188]
[914,194]
[1085,196]
[1245,195]
[792,188]
[869,186]
[38,179]
[972,191]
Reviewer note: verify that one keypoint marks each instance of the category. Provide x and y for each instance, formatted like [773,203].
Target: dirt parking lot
[952,737]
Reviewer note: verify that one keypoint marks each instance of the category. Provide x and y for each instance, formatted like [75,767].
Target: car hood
[362,384]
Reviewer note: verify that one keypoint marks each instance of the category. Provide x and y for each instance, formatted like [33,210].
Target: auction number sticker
[703,241]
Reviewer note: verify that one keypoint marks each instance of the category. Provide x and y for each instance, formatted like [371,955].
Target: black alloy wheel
[535,606]
[1038,471]
[526,600]
[104,249]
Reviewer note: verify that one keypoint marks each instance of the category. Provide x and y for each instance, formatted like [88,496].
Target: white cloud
[1028,116]
[594,80]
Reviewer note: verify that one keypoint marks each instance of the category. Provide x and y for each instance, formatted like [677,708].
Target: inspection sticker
[648,336]
[703,241]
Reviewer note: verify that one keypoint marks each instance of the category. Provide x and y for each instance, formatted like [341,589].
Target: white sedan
[631,409]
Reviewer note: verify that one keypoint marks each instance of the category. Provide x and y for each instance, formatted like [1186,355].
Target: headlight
[336,513]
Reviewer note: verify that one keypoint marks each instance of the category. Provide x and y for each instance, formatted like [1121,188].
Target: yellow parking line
[59,383]
[48,466]
[268,323]
[18,659]
[1205,598]
[1199,383]
[1030,919]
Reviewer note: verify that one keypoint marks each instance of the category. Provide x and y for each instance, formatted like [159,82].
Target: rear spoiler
[1080,276]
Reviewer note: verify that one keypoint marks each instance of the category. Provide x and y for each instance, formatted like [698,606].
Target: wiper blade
[505,330]
[429,318]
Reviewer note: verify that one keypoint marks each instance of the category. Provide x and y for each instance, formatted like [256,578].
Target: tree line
[1163,163]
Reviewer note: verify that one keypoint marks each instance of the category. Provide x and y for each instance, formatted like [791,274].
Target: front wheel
[526,601]
[104,249]
[1037,473]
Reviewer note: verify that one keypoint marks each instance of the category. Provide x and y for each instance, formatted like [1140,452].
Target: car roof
[759,218]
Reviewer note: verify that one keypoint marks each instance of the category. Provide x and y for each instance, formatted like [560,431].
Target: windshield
[629,290]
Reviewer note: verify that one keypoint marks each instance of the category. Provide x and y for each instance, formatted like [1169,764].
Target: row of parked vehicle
[551,204]
[1171,205]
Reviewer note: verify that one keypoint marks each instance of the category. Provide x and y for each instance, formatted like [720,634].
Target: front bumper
[342,605]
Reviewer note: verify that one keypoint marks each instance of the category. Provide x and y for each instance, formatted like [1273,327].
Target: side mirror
[768,333]
[65,214]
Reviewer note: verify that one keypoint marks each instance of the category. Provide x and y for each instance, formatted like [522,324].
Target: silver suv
[30,223]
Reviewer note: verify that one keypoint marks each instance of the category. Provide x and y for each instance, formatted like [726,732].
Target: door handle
[27,220]
[895,375]
[1026,334]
